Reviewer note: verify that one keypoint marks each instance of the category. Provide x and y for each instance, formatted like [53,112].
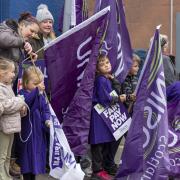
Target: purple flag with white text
[66,60]
[173,97]
[174,137]
[76,121]
[62,162]
[116,44]
[145,155]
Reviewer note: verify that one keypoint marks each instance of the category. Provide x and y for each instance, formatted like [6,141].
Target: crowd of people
[25,115]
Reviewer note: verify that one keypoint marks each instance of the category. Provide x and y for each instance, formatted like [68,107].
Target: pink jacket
[10,120]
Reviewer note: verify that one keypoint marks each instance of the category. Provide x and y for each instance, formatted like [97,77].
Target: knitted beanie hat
[43,13]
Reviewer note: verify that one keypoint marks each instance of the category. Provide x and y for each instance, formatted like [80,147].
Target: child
[100,136]
[130,83]
[10,120]
[32,142]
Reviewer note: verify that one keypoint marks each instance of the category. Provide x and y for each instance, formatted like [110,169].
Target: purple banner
[66,69]
[116,44]
[115,117]
[173,91]
[66,59]
[146,148]
[174,137]
[76,122]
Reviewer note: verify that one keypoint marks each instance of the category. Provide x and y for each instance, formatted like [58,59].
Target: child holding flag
[32,142]
[100,136]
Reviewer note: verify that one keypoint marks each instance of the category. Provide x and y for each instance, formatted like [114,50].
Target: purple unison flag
[76,122]
[145,154]
[66,60]
[174,137]
[116,44]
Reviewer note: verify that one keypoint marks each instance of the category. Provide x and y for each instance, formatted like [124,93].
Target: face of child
[104,67]
[134,69]
[46,26]
[33,83]
[8,75]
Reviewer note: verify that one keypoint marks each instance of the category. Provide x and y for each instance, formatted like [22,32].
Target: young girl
[100,136]
[32,142]
[10,120]
[46,34]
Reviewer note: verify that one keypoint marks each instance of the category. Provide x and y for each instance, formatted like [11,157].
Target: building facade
[142,17]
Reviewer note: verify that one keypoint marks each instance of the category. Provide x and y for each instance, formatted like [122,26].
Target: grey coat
[10,43]
[169,70]
[10,120]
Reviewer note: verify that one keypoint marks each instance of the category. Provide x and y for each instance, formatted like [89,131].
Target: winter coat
[169,70]
[99,132]
[37,44]
[10,120]
[128,87]
[32,153]
[10,43]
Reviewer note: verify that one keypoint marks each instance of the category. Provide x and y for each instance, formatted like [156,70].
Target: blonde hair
[30,73]
[52,35]
[5,64]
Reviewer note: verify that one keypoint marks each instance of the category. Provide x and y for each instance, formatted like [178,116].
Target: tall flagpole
[67,15]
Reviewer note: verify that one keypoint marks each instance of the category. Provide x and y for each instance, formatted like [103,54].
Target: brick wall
[142,16]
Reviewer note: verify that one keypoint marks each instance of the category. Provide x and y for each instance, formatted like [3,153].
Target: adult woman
[46,34]
[14,36]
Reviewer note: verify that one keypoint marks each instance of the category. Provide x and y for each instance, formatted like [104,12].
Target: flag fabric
[173,91]
[145,155]
[174,137]
[116,44]
[66,59]
[62,162]
[173,97]
[73,13]
[76,122]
